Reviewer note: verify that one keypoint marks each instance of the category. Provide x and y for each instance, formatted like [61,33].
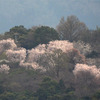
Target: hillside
[43,63]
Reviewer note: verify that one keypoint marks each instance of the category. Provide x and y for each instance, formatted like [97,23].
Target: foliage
[44,34]
[96,96]
[51,90]
[71,29]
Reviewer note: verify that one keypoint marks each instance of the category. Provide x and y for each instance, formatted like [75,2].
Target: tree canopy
[71,28]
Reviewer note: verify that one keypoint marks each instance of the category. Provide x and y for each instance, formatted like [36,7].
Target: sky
[47,12]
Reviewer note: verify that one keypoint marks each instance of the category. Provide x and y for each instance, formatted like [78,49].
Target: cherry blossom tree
[7,44]
[87,79]
[4,68]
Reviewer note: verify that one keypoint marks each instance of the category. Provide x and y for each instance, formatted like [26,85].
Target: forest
[45,63]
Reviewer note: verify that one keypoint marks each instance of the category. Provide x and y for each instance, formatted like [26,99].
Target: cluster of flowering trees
[30,57]
[35,54]
[5,45]
[55,57]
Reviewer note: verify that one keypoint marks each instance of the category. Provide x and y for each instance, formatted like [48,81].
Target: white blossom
[35,53]
[16,55]
[85,68]
[87,79]
[32,65]
[4,69]
[7,44]
[64,45]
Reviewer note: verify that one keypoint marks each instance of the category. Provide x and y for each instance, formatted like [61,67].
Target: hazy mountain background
[47,12]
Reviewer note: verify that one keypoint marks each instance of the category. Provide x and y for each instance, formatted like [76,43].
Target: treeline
[71,29]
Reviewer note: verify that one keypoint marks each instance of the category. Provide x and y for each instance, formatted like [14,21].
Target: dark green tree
[44,34]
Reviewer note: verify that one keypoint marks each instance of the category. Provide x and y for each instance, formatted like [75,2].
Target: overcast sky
[47,12]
